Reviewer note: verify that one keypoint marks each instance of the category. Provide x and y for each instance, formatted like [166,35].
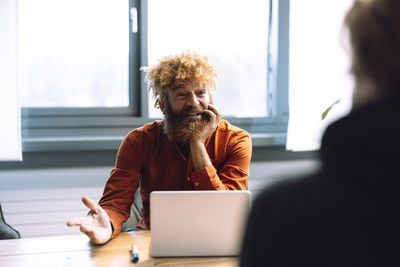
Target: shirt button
[196,183]
[188,179]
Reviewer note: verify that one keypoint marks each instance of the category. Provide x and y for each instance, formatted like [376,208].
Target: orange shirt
[147,159]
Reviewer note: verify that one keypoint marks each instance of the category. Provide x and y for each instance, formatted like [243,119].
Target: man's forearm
[200,156]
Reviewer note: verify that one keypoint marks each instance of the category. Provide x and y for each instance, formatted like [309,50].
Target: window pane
[232,33]
[318,70]
[74,53]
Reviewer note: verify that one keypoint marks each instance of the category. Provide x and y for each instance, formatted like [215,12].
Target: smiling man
[191,149]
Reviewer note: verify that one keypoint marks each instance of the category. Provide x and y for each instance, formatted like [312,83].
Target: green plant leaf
[325,113]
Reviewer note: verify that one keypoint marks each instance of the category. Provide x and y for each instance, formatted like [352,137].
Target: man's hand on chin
[96,225]
[214,117]
[199,153]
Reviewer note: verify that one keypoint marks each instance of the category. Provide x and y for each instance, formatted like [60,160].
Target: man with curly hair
[191,149]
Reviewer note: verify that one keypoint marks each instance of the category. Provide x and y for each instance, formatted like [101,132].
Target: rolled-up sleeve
[123,182]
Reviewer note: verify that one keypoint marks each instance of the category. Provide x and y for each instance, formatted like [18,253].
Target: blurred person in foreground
[191,149]
[346,214]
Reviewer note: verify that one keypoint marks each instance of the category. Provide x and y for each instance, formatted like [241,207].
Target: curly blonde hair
[181,67]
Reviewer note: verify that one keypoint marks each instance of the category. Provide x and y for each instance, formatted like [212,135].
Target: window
[233,34]
[314,45]
[80,61]
[74,53]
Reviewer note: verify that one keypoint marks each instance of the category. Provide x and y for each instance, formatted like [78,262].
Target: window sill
[93,143]
[265,140]
[79,143]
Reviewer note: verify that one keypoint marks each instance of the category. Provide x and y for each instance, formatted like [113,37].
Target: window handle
[134,23]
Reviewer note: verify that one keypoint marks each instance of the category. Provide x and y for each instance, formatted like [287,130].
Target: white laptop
[197,223]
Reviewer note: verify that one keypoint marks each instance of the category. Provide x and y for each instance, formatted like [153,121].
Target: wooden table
[76,250]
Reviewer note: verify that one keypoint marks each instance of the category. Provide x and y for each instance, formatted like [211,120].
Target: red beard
[179,128]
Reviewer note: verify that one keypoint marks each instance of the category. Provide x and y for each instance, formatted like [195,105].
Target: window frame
[77,129]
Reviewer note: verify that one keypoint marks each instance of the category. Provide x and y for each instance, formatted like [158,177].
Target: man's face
[188,99]
[184,111]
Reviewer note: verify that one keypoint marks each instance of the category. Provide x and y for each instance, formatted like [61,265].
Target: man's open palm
[96,225]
